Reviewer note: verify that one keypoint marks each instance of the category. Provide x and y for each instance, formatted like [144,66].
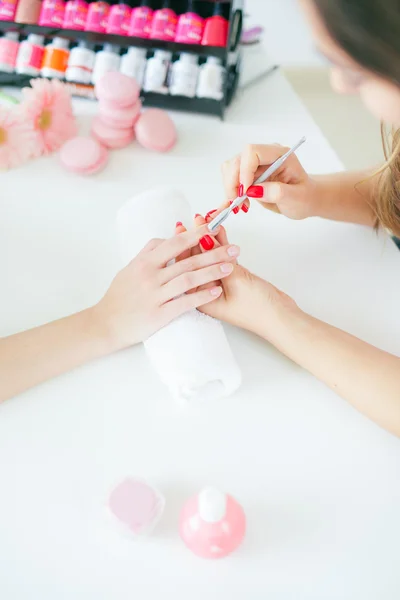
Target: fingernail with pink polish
[234,251]
[227,268]
[216,291]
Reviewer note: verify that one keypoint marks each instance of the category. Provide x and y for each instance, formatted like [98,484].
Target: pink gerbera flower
[48,106]
[17,138]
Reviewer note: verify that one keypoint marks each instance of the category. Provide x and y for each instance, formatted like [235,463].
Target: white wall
[287,37]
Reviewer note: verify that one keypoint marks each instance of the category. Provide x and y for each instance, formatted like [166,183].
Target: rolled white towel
[191,355]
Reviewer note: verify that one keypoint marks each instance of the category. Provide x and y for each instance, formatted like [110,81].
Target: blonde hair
[387,197]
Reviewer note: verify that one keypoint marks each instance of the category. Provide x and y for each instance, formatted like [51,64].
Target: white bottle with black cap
[211,79]
[133,64]
[184,75]
[107,60]
[156,77]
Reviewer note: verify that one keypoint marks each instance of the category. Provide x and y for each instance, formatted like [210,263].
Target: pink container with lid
[212,524]
[52,13]
[164,24]
[97,17]
[141,20]
[136,506]
[75,15]
[119,19]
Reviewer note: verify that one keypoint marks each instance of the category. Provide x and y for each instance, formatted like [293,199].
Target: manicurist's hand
[290,191]
[148,293]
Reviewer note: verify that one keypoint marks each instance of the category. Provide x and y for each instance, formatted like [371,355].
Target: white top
[35,39]
[319,483]
[163,54]
[187,58]
[133,50]
[212,505]
[60,43]
[12,35]
[111,48]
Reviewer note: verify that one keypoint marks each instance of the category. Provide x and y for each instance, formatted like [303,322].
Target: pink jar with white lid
[212,524]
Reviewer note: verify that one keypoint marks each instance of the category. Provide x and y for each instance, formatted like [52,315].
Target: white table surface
[320,483]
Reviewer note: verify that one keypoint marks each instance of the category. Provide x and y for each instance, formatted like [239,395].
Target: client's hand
[290,191]
[148,293]
[247,301]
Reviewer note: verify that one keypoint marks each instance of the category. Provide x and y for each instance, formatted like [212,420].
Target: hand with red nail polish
[164,281]
[291,191]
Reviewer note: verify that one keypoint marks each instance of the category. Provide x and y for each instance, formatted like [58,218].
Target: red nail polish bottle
[216,29]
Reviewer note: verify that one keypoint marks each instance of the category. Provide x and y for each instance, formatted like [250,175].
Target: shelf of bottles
[168,37]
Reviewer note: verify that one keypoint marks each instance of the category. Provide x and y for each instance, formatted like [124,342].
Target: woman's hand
[148,293]
[247,301]
[290,191]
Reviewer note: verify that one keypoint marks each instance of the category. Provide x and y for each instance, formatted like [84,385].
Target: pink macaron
[111,137]
[155,130]
[117,89]
[121,118]
[83,155]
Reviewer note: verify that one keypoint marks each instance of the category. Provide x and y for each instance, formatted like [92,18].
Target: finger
[189,281]
[207,242]
[151,245]
[178,244]
[231,177]
[217,256]
[276,192]
[180,228]
[181,305]
[222,238]
[255,156]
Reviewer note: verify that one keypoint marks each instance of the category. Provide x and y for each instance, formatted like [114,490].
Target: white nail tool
[219,219]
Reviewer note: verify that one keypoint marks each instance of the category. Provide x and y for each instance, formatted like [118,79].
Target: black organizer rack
[230,56]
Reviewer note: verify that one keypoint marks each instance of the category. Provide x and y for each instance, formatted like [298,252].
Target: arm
[31,357]
[144,297]
[347,197]
[363,375]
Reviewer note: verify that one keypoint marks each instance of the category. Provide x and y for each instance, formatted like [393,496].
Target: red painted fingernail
[240,190]
[195,216]
[207,243]
[255,191]
[245,208]
[208,215]
[178,224]
[236,210]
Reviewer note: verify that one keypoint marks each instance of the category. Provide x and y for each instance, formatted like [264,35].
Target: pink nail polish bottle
[97,16]
[52,13]
[190,26]
[75,15]
[216,29]
[212,524]
[8,9]
[141,20]
[9,46]
[119,19]
[164,23]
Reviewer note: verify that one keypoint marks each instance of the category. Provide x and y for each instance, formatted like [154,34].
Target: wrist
[99,331]
[281,328]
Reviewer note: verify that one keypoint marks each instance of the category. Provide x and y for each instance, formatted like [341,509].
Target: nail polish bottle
[164,23]
[133,64]
[141,20]
[52,13]
[184,74]
[97,16]
[216,29]
[211,81]
[119,18]
[28,11]
[75,15]
[212,524]
[8,9]
[55,60]
[108,59]
[9,46]
[190,26]
[156,77]
[81,63]
[30,55]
